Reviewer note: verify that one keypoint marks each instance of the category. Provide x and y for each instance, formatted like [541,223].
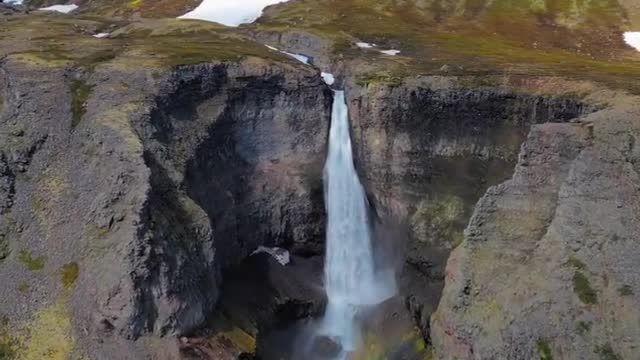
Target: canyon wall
[427,150]
[126,193]
[546,268]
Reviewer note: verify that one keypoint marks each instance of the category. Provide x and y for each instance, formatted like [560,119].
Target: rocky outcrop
[546,268]
[427,149]
[149,184]
[317,48]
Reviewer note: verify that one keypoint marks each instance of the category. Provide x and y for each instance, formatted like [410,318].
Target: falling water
[351,279]
[352,282]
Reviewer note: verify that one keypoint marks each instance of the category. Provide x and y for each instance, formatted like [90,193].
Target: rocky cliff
[428,148]
[545,270]
[126,191]
[139,171]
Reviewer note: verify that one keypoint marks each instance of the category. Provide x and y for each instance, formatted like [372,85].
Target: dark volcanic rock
[235,159]
[546,266]
[154,185]
[325,347]
[426,150]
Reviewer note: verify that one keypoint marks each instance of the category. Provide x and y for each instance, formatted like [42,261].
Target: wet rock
[7,185]
[325,347]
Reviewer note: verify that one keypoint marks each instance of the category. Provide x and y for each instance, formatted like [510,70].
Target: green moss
[577,39]
[32,263]
[385,78]
[7,351]
[97,57]
[5,250]
[582,288]
[69,274]
[49,335]
[80,92]
[583,327]
[579,265]
[242,340]
[625,290]
[440,218]
[420,345]
[23,287]
[8,344]
[544,350]
[38,204]
[606,352]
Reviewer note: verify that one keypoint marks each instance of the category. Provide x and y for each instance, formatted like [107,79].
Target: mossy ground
[23,288]
[582,287]
[517,37]
[64,41]
[606,352]
[69,274]
[241,339]
[544,350]
[111,8]
[33,263]
[49,335]
[8,344]
[625,290]
[552,38]
[442,217]
[583,327]
[409,345]
[80,92]
[385,78]
[577,264]
[232,335]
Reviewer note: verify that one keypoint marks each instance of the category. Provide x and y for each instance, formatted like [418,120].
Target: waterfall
[351,280]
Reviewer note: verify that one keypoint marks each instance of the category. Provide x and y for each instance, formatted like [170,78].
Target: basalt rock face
[427,150]
[546,269]
[149,184]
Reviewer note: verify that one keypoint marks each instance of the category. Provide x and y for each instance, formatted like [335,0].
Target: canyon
[141,171]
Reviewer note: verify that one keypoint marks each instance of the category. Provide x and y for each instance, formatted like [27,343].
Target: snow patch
[101,35]
[329,79]
[229,12]
[14,2]
[303,59]
[390,52]
[65,9]
[632,39]
[365,45]
[281,255]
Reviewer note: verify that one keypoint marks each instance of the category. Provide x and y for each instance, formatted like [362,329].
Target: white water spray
[351,280]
